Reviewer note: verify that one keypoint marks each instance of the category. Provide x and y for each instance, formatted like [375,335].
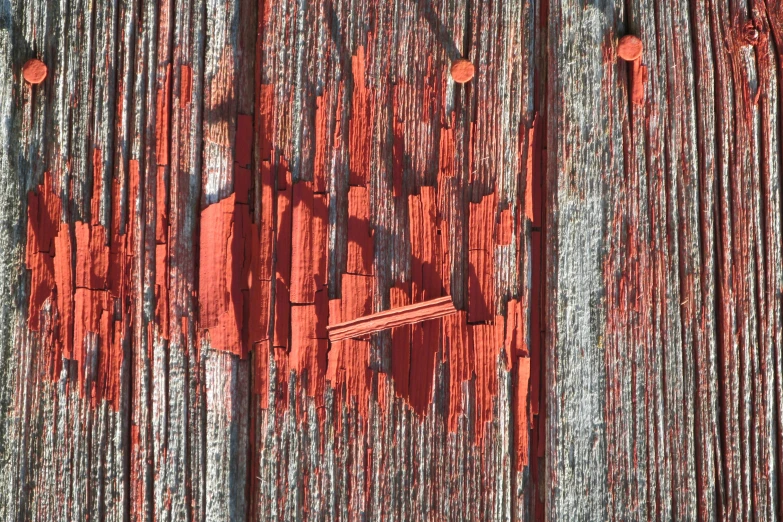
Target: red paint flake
[308,352]
[90,340]
[321,314]
[398,158]
[458,351]
[533,173]
[92,256]
[258,290]
[399,296]
[97,184]
[482,339]
[302,263]
[321,144]
[445,270]
[425,246]
[281,361]
[521,417]
[43,225]
[361,123]
[261,353]
[244,140]
[161,207]
[446,155]
[349,359]
[535,319]
[398,149]
[259,278]
[224,227]
[41,266]
[63,280]
[185,85]
[266,229]
[320,226]
[425,285]
[241,184]
[283,264]
[265,110]
[481,284]
[357,294]
[638,80]
[162,120]
[93,309]
[425,338]
[109,363]
[162,288]
[259,297]
[334,368]
[282,314]
[514,342]
[505,228]
[43,217]
[500,331]
[360,240]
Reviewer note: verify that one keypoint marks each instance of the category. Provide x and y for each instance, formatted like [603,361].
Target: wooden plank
[225,227]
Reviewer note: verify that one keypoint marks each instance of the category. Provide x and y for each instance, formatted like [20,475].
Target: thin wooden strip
[410,314]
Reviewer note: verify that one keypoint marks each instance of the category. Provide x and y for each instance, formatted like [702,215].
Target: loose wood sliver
[410,314]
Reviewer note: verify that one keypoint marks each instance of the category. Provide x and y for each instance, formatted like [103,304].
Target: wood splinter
[404,315]
[630,48]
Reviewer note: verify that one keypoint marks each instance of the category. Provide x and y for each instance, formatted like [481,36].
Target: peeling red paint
[321,145]
[360,240]
[283,259]
[81,289]
[361,123]
[521,415]
[308,351]
[399,296]
[505,228]
[425,286]
[224,228]
[162,132]
[303,284]
[460,354]
[243,141]
[348,364]
[185,85]
[275,269]
[481,292]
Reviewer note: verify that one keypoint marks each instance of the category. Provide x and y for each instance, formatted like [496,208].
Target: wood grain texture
[198,188]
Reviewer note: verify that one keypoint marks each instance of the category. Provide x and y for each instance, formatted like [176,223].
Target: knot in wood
[750,33]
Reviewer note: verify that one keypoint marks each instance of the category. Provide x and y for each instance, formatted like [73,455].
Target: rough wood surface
[196,189]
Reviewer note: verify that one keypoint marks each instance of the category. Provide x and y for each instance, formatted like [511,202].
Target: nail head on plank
[462,71]
[629,48]
[34,71]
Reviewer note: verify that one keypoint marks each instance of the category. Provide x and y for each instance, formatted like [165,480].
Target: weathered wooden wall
[198,188]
